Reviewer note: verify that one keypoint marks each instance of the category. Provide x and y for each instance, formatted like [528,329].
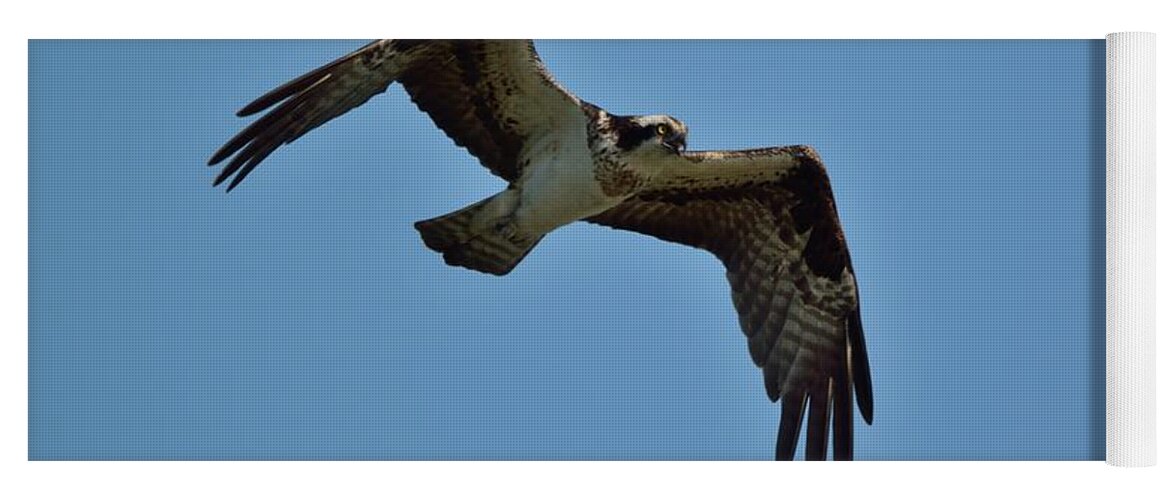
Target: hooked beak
[676,143]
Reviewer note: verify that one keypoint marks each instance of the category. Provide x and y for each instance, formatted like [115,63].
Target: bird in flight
[767,214]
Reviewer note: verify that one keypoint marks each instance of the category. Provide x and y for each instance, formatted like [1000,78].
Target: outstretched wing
[769,216]
[489,96]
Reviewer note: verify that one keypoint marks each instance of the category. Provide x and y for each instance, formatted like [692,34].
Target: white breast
[559,187]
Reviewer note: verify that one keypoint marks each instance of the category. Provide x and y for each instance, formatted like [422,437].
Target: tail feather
[465,241]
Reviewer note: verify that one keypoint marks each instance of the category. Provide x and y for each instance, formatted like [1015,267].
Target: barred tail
[467,238]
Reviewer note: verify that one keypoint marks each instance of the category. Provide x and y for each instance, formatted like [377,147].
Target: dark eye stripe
[631,137]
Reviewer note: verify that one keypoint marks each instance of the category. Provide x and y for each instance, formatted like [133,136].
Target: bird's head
[652,133]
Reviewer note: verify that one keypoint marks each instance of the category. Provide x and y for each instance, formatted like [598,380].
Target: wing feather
[489,96]
[817,441]
[792,411]
[769,216]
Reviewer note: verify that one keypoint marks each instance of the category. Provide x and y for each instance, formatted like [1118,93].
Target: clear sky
[301,317]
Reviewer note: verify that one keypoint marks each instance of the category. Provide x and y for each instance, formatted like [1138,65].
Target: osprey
[768,214]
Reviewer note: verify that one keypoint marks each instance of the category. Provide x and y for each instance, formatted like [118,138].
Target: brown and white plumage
[489,97]
[767,214]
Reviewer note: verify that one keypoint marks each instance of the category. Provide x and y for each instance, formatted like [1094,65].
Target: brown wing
[489,96]
[769,216]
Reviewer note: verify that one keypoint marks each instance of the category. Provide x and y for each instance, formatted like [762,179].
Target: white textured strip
[1130,249]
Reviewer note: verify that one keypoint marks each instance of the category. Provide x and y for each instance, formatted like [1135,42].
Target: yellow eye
[662,130]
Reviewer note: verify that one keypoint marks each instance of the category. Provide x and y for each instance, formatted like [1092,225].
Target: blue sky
[301,316]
